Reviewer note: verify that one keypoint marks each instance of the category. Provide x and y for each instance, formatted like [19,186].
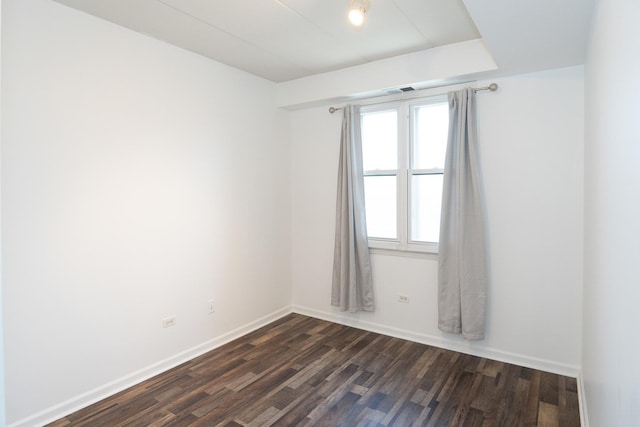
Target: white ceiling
[284,40]
[533,35]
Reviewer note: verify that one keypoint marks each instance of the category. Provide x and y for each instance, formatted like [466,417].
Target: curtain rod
[492,87]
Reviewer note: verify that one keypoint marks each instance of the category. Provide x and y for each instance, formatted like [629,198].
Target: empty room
[320,212]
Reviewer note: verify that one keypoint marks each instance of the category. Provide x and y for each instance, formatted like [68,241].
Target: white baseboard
[582,402]
[81,401]
[475,350]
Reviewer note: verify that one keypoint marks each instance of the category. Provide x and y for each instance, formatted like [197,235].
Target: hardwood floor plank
[338,413]
[163,420]
[264,417]
[405,416]
[415,371]
[370,417]
[549,388]
[473,418]
[569,403]
[333,394]
[465,402]
[301,371]
[296,413]
[531,410]
[548,415]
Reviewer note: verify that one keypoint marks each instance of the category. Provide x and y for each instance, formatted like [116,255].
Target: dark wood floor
[304,371]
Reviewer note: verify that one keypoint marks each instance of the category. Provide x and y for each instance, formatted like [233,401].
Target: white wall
[453,62]
[611,350]
[2,396]
[138,181]
[531,143]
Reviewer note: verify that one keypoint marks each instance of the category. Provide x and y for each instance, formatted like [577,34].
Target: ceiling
[285,40]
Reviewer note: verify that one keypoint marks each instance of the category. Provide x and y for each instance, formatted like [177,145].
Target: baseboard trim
[582,402]
[109,389]
[489,353]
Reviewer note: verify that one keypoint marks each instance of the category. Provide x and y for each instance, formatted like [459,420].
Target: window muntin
[404,146]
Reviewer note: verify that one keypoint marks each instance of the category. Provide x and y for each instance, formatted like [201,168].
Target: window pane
[380,204]
[380,140]
[426,200]
[431,132]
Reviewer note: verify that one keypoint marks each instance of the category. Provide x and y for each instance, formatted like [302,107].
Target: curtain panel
[352,288]
[462,258]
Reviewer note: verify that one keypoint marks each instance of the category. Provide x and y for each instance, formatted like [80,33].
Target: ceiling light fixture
[357,9]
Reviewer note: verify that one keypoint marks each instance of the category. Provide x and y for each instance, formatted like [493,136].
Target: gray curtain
[462,260]
[352,288]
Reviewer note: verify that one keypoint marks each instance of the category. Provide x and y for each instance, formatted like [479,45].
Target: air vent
[407,89]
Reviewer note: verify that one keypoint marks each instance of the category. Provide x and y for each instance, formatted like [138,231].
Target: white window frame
[406,133]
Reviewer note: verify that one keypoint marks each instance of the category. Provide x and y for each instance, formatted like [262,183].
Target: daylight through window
[403,147]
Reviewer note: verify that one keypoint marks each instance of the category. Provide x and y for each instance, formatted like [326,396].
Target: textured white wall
[611,350]
[531,144]
[138,181]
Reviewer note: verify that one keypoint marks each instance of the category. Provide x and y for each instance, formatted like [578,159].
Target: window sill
[404,253]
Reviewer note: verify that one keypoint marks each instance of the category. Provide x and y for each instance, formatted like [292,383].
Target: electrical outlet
[403,298]
[168,321]
[211,306]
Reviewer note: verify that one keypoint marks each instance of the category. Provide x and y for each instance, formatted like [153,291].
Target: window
[403,149]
